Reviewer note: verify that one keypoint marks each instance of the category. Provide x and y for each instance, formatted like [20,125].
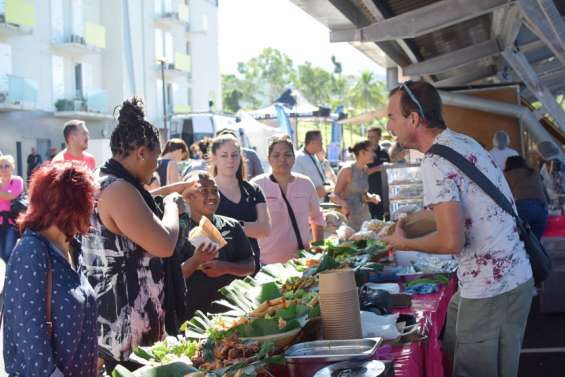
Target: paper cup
[337,281]
[339,305]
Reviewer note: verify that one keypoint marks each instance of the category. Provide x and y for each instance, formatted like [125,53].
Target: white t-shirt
[310,166]
[500,156]
[493,259]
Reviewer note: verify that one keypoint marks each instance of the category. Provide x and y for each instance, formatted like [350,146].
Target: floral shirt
[493,259]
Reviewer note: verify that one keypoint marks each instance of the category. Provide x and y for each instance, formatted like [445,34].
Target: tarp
[257,134]
[294,103]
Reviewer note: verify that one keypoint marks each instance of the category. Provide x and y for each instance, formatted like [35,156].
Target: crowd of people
[104,257]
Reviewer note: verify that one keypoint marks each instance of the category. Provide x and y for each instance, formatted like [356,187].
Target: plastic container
[555,227]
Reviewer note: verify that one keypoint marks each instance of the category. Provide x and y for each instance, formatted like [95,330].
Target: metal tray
[373,368]
[333,350]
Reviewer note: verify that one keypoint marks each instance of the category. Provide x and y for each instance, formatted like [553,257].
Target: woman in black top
[174,152]
[239,199]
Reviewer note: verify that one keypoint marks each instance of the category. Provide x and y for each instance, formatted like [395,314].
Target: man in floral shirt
[495,277]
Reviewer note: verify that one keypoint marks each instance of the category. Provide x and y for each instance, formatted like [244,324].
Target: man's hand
[398,238]
[215,268]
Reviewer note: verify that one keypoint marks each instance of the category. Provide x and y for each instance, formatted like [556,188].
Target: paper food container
[418,224]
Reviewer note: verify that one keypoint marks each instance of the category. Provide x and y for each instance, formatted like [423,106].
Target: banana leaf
[262,327]
[175,369]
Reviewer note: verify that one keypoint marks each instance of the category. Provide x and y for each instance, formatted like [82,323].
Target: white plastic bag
[383,326]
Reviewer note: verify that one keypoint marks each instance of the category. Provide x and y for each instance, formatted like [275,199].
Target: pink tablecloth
[423,359]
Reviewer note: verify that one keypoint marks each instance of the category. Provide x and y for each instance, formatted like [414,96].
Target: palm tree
[368,92]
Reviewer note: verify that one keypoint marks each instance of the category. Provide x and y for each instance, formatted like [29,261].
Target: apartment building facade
[66,59]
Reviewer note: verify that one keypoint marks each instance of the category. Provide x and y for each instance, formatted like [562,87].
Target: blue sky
[248,26]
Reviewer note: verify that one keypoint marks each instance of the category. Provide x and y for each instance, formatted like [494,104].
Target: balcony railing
[17,17]
[95,104]
[93,41]
[17,92]
[180,15]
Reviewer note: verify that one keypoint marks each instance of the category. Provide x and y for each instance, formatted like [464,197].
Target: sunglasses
[404,86]
[208,191]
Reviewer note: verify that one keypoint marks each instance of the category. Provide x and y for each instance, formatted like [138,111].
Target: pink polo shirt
[281,244]
[15,187]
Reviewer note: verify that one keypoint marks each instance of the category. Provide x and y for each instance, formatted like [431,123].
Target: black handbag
[18,205]
[539,259]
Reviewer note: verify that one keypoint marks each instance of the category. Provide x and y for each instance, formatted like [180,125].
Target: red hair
[60,194]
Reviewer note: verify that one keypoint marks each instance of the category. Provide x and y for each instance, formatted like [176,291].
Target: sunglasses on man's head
[404,86]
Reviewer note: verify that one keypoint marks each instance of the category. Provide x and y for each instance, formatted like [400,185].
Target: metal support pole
[391,78]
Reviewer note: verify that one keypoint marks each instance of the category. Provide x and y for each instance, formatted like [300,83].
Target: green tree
[231,93]
[271,72]
[367,93]
[314,83]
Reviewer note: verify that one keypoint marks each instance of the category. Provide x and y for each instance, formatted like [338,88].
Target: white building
[64,59]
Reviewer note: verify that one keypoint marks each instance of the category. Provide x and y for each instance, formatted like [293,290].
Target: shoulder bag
[539,259]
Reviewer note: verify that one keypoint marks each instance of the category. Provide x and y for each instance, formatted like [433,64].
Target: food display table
[424,358]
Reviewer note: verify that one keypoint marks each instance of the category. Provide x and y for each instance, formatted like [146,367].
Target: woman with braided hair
[122,255]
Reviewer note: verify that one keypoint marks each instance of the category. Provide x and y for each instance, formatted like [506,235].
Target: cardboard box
[418,224]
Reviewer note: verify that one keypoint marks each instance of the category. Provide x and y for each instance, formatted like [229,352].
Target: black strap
[291,215]
[317,169]
[475,175]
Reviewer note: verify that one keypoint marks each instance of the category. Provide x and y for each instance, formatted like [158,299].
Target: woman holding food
[218,251]
[239,199]
[351,189]
[293,205]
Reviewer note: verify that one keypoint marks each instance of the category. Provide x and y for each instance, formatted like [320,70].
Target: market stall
[279,322]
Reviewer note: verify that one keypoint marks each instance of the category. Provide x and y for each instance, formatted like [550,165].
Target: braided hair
[132,131]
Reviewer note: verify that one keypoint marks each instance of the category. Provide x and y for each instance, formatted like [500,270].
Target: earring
[142,159]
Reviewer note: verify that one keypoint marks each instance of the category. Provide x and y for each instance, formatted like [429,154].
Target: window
[163,45]
[5,59]
[189,96]
[168,43]
[78,18]
[58,77]
[159,50]
[188,48]
[57,23]
[79,87]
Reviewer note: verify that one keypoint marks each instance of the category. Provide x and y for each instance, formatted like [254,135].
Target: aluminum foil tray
[333,350]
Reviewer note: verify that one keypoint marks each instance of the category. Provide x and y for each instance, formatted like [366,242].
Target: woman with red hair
[50,308]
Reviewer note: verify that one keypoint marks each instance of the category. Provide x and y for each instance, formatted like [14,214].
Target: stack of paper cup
[339,305]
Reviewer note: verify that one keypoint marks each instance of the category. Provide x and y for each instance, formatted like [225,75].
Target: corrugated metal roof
[455,37]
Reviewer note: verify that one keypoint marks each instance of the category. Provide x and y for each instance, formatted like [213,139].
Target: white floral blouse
[493,260]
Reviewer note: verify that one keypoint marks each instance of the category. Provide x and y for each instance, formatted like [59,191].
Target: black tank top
[162,171]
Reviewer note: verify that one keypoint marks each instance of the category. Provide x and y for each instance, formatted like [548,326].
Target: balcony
[17,18]
[17,93]
[92,107]
[93,42]
[181,67]
[170,19]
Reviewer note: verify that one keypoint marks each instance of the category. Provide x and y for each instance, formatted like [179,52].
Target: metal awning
[458,42]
